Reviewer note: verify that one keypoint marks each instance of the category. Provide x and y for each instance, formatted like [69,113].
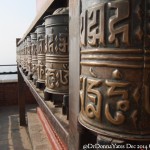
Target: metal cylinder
[18,54]
[115,68]
[41,54]
[29,57]
[22,54]
[25,57]
[34,55]
[57,52]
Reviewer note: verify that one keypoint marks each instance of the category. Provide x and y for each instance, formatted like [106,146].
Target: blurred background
[15,18]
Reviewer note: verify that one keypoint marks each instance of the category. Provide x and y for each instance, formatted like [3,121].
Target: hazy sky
[15,18]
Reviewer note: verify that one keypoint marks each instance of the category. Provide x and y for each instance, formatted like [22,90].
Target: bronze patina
[25,57]
[34,55]
[115,68]
[29,57]
[41,56]
[57,52]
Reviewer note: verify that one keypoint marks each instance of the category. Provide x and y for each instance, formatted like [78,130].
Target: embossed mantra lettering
[92,109]
[93,24]
[120,15]
[92,97]
[122,104]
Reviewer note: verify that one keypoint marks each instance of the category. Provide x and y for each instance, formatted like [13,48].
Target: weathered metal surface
[25,56]
[20,54]
[115,68]
[57,52]
[29,57]
[34,55]
[41,54]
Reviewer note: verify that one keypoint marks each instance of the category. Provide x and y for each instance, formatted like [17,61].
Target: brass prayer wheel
[115,68]
[34,55]
[25,57]
[18,54]
[22,54]
[29,57]
[41,55]
[57,52]
[20,51]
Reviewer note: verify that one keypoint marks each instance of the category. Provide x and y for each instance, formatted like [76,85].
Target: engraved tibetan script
[94,24]
[109,98]
[117,88]
[93,108]
[122,12]
[56,78]
[56,43]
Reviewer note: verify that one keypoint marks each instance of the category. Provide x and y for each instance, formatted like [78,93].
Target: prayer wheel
[29,57]
[57,52]
[25,57]
[22,54]
[18,54]
[34,55]
[115,69]
[41,56]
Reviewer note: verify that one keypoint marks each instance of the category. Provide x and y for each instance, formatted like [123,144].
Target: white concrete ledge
[8,69]
[8,78]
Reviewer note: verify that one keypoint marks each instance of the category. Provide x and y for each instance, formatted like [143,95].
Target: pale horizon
[16,16]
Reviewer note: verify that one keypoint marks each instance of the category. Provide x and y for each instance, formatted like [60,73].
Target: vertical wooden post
[74,70]
[21,99]
[21,94]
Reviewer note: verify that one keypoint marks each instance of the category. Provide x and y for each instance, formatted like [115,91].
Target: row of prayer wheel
[114,66]
[44,54]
